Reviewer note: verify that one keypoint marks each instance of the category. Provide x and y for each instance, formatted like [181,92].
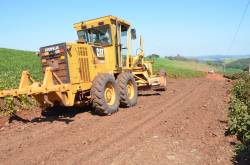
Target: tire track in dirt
[146,125]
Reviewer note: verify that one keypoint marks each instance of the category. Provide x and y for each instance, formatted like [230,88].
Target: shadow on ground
[149,94]
[241,152]
[62,114]
[242,156]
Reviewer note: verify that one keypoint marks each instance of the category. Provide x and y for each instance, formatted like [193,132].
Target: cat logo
[99,52]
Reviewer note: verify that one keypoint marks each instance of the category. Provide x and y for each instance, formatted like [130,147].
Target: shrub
[239,113]
[237,76]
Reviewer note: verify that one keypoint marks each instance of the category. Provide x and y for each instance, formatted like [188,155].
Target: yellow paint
[109,94]
[130,90]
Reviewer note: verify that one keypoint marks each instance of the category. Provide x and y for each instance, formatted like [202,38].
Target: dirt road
[184,125]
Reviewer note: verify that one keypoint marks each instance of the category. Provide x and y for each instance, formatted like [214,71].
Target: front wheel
[128,89]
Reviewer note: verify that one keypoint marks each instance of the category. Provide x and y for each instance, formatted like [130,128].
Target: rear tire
[128,89]
[105,95]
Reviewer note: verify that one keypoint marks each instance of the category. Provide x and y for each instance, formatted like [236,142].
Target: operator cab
[107,35]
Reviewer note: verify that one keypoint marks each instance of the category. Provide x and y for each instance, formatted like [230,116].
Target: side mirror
[133,34]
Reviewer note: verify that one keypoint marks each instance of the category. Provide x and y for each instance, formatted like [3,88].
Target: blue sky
[169,27]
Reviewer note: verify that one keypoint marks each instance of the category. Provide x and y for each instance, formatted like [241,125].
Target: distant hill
[220,57]
[239,64]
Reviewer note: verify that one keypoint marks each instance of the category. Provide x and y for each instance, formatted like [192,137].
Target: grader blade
[159,83]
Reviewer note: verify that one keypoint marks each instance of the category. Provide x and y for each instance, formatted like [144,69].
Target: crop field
[180,69]
[190,69]
[13,62]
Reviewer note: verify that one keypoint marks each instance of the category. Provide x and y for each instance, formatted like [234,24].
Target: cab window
[98,35]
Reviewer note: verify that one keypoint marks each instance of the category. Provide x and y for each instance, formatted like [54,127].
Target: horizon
[233,56]
[190,28]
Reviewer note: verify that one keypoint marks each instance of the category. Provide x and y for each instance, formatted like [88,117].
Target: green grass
[180,69]
[228,71]
[13,62]
[189,69]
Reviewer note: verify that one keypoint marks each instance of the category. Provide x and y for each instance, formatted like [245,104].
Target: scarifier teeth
[2,103]
[17,102]
[30,100]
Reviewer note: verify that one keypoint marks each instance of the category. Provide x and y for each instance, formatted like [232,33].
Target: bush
[239,119]
[152,56]
[239,113]
[237,76]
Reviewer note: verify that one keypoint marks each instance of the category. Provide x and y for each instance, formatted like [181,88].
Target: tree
[154,56]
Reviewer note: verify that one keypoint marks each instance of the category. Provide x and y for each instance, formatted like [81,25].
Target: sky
[169,27]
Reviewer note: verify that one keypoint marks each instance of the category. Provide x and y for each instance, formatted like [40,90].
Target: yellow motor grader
[98,68]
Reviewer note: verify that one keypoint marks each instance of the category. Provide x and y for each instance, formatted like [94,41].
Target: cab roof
[99,21]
